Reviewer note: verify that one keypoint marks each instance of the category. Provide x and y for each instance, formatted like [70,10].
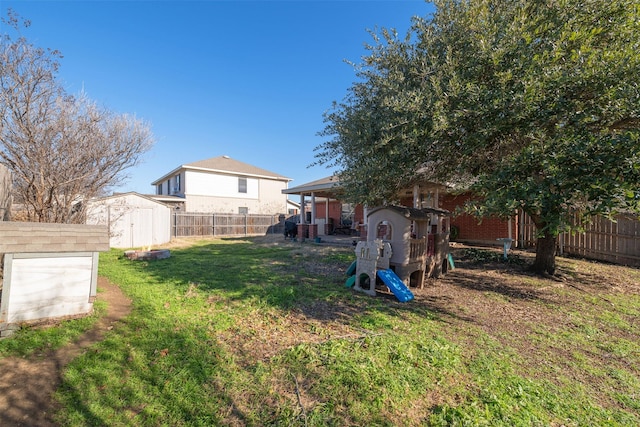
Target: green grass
[231,332]
[30,341]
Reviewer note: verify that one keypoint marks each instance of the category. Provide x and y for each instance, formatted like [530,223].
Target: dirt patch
[27,385]
[519,310]
[516,310]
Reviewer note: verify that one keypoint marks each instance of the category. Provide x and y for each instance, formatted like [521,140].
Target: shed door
[131,227]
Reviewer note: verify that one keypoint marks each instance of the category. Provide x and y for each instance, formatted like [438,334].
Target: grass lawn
[263,332]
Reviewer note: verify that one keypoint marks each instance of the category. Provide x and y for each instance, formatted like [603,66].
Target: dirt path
[27,385]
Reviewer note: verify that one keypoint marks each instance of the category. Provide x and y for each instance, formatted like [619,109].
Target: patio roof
[323,187]
[330,187]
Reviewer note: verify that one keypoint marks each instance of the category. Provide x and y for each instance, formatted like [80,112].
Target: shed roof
[127,194]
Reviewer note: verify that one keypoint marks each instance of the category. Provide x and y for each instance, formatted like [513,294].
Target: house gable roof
[225,165]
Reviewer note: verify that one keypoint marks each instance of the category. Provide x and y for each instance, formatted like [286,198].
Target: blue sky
[247,79]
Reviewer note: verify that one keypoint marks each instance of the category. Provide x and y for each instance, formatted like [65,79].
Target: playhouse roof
[413,214]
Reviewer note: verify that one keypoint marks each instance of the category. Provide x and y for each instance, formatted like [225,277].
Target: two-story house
[225,185]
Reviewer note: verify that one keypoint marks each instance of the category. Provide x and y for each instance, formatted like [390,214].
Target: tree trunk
[545,262]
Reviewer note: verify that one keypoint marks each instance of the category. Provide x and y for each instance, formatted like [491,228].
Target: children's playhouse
[412,243]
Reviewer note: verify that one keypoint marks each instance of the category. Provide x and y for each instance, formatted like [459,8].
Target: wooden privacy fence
[187,224]
[605,240]
[5,193]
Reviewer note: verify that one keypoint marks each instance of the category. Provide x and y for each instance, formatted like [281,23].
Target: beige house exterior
[225,185]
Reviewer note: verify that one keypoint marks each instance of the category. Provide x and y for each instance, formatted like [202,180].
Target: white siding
[271,198]
[211,204]
[270,202]
[217,185]
[47,287]
[211,192]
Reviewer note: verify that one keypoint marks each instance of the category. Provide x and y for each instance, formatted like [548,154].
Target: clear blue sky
[248,79]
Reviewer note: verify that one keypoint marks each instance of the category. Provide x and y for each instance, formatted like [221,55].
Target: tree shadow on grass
[475,281]
[164,377]
[305,282]
[282,276]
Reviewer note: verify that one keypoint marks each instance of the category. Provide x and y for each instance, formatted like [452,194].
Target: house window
[243,211]
[242,185]
[178,183]
[159,189]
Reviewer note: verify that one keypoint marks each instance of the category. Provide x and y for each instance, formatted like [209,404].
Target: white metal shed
[134,220]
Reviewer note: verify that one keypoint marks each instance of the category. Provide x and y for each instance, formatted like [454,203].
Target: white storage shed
[134,220]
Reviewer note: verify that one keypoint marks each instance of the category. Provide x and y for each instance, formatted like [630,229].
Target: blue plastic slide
[351,281]
[352,268]
[396,285]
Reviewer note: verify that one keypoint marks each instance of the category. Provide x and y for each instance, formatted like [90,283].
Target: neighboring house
[293,208]
[133,220]
[225,185]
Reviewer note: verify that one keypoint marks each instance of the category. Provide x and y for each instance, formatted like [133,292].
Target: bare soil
[513,307]
[27,385]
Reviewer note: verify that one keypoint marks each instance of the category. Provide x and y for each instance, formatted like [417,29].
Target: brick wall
[470,228]
[33,237]
[335,212]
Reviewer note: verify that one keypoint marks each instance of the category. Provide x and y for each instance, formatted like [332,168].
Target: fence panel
[605,240]
[192,224]
[526,231]
[188,224]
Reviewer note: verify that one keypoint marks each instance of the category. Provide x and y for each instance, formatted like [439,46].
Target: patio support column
[302,213]
[327,226]
[303,228]
[365,221]
[416,196]
[313,227]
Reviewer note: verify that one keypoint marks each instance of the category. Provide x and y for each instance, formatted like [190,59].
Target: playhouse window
[383,230]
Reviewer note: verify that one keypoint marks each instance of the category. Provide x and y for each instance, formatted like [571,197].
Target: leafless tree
[62,150]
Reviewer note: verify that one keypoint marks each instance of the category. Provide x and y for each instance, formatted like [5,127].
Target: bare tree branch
[61,149]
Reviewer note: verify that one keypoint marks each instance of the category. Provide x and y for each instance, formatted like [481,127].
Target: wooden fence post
[5,193]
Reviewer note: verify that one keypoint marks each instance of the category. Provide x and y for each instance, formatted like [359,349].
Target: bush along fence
[604,240]
[185,224]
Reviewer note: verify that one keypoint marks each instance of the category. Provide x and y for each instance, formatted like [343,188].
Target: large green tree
[533,105]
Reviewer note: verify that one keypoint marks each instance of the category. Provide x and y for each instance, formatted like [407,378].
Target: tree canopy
[533,105]
[62,150]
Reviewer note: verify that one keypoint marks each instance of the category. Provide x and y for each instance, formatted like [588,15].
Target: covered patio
[323,211]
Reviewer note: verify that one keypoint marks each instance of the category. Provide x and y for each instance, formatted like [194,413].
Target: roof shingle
[227,164]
